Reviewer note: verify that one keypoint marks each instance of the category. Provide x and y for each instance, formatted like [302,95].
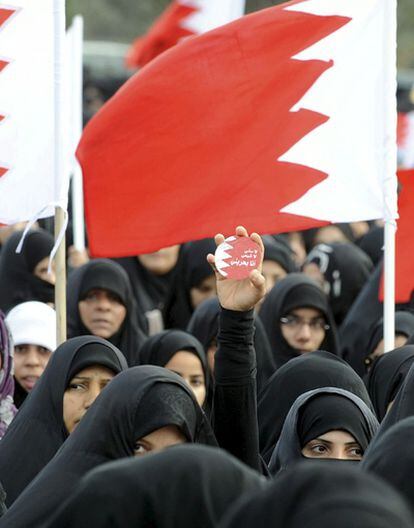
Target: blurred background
[111,25]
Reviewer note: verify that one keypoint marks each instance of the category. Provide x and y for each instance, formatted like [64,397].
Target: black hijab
[346,268]
[38,430]
[372,243]
[404,325]
[192,268]
[322,496]
[392,458]
[386,377]
[403,405]
[150,290]
[17,282]
[204,325]
[160,348]
[108,275]
[310,235]
[294,291]
[137,402]
[315,413]
[277,251]
[354,334]
[311,371]
[206,482]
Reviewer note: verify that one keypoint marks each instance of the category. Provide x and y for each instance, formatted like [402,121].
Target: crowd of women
[183,398]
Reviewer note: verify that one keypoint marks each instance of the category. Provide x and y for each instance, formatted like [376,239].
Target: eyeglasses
[295,323]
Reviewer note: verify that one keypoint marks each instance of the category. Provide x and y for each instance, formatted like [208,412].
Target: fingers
[219,239]
[241,231]
[257,279]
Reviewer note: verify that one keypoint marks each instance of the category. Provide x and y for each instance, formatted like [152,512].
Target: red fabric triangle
[189,146]
[5,14]
[404,242]
[165,33]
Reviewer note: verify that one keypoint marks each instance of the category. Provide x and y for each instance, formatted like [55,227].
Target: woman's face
[159,440]
[338,445]
[82,391]
[400,340]
[41,268]
[160,262]
[304,329]
[102,312]
[205,290]
[188,366]
[29,363]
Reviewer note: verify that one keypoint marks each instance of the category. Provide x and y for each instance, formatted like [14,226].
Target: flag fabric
[406,140]
[404,240]
[282,120]
[27,178]
[182,19]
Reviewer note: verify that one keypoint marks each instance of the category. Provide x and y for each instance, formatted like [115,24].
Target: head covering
[403,405]
[206,482]
[404,325]
[392,458]
[159,349]
[192,268]
[279,252]
[322,496]
[7,408]
[372,243]
[108,275]
[204,325]
[38,430]
[355,330]
[311,371]
[17,281]
[150,290]
[386,377]
[294,291]
[122,414]
[33,323]
[345,268]
[310,235]
[317,412]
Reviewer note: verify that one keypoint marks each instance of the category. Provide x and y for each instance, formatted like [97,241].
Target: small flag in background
[282,120]
[406,140]
[183,18]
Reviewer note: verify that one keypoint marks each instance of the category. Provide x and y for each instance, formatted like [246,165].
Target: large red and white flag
[28,184]
[284,119]
[182,19]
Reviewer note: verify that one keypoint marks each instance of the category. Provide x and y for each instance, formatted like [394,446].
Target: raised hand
[240,295]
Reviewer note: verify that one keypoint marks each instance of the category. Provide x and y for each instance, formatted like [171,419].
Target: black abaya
[38,430]
[316,413]
[322,495]
[312,371]
[17,281]
[136,403]
[185,486]
[295,291]
[108,275]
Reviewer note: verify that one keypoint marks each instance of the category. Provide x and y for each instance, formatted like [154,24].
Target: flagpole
[389,285]
[390,167]
[78,218]
[59,167]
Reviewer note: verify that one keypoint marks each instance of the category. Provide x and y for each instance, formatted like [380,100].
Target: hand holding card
[237,264]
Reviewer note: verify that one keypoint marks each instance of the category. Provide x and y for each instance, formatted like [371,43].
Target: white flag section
[30,186]
[212,13]
[357,146]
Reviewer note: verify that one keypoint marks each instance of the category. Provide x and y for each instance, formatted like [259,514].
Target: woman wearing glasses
[297,319]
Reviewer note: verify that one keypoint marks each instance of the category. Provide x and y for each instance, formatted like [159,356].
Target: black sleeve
[235,401]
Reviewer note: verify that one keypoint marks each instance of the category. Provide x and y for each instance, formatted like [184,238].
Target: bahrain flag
[282,120]
[183,18]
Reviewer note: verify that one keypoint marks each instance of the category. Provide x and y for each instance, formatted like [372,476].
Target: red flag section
[404,243]
[164,34]
[189,146]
